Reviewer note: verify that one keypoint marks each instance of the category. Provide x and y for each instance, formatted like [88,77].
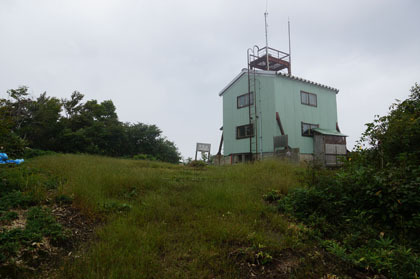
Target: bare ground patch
[42,259]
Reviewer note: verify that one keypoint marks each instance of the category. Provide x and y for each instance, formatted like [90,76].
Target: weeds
[39,224]
[24,190]
[171,221]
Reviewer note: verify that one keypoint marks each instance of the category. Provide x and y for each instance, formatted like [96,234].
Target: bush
[31,153]
[371,207]
[197,164]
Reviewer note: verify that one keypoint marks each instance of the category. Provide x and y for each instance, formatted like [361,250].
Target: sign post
[203,147]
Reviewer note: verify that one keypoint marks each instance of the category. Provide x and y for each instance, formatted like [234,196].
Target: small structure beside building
[329,147]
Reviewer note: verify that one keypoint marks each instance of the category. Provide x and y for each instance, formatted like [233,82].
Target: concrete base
[291,155]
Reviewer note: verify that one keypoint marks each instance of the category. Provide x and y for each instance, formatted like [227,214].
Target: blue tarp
[4,159]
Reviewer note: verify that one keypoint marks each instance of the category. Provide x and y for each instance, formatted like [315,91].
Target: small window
[244,131]
[307,129]
[245,100]
[308,98]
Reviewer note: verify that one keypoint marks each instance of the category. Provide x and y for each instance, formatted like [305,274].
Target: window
[245,100]
[307,129]
[308,98]
[244,131]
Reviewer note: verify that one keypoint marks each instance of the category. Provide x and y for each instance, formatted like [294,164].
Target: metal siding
[292,112]
[319,152]
[339,149]
[268,117]
[278,94]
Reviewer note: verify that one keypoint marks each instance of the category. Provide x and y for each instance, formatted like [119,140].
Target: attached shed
[329,147]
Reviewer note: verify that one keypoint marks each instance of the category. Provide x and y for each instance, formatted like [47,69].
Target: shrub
[31,153]
[376,193]
[197,164]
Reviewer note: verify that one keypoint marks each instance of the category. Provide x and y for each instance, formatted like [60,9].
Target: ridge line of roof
[272,73]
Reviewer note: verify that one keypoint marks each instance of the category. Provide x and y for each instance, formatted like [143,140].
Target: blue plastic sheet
[4,159]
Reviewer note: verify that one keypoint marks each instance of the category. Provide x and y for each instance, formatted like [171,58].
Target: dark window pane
[312,99]
[245,100]
[306,129]
[304,97]
[241,132]
[244,131]
[248,130]
[308,98]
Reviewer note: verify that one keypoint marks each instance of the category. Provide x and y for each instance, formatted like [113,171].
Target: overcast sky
[164,62]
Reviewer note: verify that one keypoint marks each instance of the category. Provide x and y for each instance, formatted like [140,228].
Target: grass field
[169,221]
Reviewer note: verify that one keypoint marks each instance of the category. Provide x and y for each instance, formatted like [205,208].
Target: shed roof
[272,73]
[329,132]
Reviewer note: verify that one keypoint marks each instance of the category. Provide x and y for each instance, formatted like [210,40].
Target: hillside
[157,220]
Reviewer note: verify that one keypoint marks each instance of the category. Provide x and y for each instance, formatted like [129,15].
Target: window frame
[249,100]
[302,93]
[311,126]
[245,136]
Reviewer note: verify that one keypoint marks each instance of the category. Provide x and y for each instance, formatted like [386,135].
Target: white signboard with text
[203,148]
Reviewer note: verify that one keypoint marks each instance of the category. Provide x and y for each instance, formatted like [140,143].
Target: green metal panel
[292,112]
[276,93]
[233,117]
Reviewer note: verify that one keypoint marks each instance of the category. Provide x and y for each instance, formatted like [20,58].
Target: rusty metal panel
[335,140]
[280,141]
[338,149]
[330,160]
[341,149]
[319,145]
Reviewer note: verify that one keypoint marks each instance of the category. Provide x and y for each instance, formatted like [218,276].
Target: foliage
[272,196]
[22,187]
[197,164]
[394,139]
[31,153]
[89,127]
[26,224]
[7,216]
[371,207]
[40,223]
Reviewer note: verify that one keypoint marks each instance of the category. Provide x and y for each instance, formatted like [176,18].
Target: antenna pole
[290,49]
[266,40]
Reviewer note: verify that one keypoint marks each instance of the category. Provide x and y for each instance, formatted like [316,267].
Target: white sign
[203,147]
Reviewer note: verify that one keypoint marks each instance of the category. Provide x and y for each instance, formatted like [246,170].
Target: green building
[269,113]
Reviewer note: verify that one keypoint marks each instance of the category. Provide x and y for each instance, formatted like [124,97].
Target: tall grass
[181,223]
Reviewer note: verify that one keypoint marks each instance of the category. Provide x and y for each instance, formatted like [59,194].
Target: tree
[43,128]
[89,127]
[73,106]
[395,138]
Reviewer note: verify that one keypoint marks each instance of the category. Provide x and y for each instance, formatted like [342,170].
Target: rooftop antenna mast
[290,49]
[266,34]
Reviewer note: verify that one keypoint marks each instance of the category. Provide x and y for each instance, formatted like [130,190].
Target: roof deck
[270,59]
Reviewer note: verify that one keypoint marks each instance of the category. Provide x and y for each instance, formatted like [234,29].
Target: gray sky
[164,62]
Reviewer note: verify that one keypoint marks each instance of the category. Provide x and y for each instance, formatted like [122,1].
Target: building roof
[328,132]
[272,73]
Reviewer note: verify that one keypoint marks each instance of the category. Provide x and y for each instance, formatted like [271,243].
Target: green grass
[170,221]
[25,190]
